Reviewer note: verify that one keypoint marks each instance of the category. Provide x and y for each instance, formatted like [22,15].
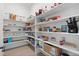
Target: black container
[72,25]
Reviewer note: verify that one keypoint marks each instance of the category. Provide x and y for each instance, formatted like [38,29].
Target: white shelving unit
[65,11]
[12,26]
[16,36]
[58,20]
[58,9]
[21,38]
[31,25]
[32,37]
[45,53]
[15,42]
[30,43]
[73,50]
[61,33]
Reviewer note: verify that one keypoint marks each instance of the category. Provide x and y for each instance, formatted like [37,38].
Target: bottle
[71,20]
[69,27]
[55,4]
[75,25]
[45,9]
[72,25]
[52,7]
[74,21]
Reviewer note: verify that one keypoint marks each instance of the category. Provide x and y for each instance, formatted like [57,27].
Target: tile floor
[21,51]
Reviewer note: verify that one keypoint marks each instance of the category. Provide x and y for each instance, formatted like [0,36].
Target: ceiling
[25,5]
[28,5]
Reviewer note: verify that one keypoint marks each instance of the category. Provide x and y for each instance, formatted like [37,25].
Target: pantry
[45,29]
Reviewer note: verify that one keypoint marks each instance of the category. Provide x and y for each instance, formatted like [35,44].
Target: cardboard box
[13,17]
[52,49]
[47,48]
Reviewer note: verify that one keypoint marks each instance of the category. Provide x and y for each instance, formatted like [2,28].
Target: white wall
[18,9]
[38,6]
